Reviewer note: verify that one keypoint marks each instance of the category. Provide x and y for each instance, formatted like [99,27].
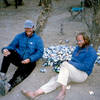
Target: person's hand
[6,52]
[26,61]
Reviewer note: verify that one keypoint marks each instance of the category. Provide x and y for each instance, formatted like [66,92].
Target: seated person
[26,48]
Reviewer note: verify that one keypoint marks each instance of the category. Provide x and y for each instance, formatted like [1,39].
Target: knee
[65,65]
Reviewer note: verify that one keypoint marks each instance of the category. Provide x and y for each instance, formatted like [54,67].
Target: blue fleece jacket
[84,59]
[27,47]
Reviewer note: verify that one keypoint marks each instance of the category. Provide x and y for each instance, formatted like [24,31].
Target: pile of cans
[98,58]
[55,55]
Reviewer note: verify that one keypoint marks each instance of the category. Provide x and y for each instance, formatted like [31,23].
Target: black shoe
[14,83]
[12,86]
[10,89]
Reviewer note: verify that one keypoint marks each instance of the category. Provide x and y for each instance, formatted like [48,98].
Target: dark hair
[85,37]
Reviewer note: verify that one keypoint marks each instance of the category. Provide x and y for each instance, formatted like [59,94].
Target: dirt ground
[12,23]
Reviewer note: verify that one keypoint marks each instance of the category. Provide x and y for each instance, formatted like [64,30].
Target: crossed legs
[67,74]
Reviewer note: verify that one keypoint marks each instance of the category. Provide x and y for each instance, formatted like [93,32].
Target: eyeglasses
[79,41]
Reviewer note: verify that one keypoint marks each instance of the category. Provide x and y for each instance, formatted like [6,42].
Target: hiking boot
[7,87]
[3,76]
[4,87]
[13,83]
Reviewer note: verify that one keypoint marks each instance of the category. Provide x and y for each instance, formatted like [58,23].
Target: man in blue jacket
[76,70]
[26,48]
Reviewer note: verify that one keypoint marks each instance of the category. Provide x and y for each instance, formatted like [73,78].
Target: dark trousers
[22,71]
